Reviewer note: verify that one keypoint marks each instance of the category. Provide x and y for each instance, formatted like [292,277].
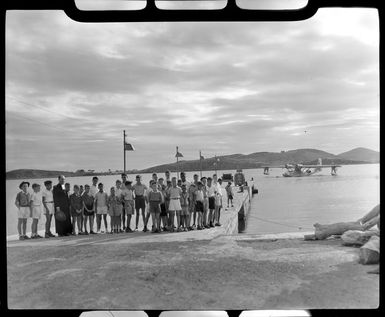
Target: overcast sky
[223,88]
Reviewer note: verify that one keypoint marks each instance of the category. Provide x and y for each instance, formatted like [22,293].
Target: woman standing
[60,198]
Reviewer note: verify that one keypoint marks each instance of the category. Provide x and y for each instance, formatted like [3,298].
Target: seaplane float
[301,170]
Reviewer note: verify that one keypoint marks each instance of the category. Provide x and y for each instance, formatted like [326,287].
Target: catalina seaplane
[301,170]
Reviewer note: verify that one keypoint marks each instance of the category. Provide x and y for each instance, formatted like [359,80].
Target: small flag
[178,154]
[202,158]
[128,147]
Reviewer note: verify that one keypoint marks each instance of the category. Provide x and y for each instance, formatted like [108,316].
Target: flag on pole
[178,154]
[201,157]
[128,147]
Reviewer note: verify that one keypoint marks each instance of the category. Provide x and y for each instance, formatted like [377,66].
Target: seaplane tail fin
[318,169]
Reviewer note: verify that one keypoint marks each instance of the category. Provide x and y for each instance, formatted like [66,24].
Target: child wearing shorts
[101,208]
[129,207]
[174,205]
[22,203]
[49,208]
[88,209]
[199,205]
[184,203]
[114,210]
[36,205]
[155,198]
[76,205]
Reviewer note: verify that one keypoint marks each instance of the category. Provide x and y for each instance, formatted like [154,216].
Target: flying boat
[301,170]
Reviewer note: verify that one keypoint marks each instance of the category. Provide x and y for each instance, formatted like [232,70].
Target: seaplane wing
[320,166]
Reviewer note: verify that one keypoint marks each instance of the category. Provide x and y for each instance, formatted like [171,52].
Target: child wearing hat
[49,209]
[36,205]
[22,203]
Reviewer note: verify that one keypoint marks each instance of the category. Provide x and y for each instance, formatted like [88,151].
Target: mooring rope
[280,223]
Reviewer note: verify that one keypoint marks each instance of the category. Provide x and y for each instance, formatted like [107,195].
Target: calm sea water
[295,204]
[282,204]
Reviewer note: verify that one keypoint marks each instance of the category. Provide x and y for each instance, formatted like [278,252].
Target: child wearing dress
[36,206]
[49,208]
[88,209]
[22,203]
[114,203]
[76,206]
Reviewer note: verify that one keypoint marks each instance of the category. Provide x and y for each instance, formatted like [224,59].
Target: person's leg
[91,219]
[19,223]
[24,227]
[80,224]
[98,222]
[105,221]
[153,220]
[123,216]
[171,220]
[128,221]
[157,219]
[178,219]
[137,218]
[47,225]
[143,210]
[85,219]
[33,227]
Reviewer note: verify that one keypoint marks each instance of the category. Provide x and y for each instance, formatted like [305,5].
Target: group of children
[198,202]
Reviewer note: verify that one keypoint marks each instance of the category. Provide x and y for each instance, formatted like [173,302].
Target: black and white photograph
[192,165]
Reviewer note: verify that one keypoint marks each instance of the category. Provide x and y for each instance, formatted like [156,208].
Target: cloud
[217,87]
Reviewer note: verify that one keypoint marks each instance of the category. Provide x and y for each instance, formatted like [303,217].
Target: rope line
[280,223]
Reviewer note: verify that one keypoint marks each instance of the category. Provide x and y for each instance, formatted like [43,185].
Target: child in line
[199,205]
[184,202]
[76,205]
[205,201]
[118,193]
[163,208]
[211,200]
[114,210]
[155,199]
[174,206]
[218,202]
[22,203]
[36,205]
[191,192]
[88,209]
[49,208]
[229,191]
[81,191]
[129,207]
[101,208]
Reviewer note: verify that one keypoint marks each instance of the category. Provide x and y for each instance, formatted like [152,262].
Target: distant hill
[361,154]
[256,160]
[32,173]
[35,173]
[231,162]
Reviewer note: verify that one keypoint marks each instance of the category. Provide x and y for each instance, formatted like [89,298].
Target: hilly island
[228,162]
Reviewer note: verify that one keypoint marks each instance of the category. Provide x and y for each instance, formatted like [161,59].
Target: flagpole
[177,165]
[124,150]
[200,161]
[215,163]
